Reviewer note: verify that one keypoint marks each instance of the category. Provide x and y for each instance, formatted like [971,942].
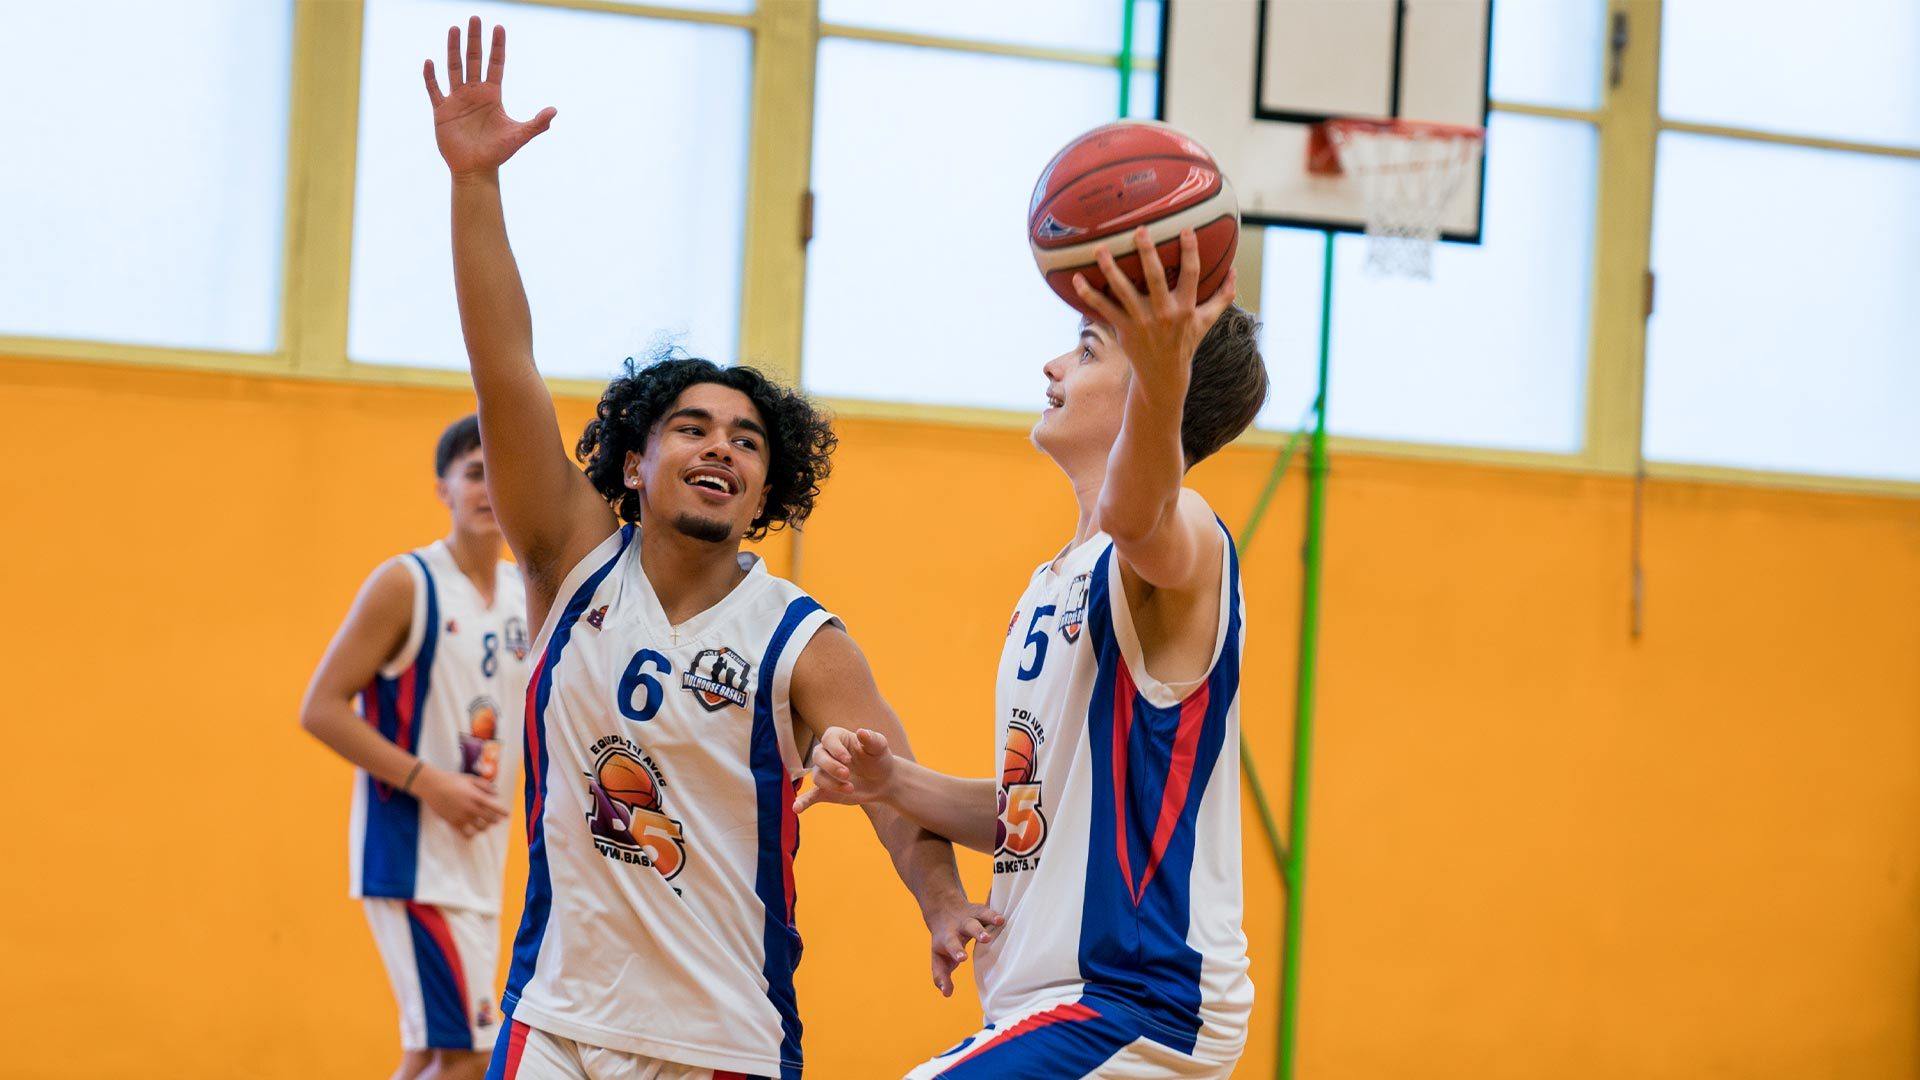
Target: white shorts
[1067,1040]
[440,961]
[527,1053]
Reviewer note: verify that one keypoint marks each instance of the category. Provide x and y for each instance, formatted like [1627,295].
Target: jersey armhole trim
[570,584]
[1157,693]
[790,755]
[417,629]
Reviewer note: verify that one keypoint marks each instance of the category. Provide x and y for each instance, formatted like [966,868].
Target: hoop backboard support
[1250,79]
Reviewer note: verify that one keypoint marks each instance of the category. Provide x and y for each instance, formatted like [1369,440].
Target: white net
[1407,173]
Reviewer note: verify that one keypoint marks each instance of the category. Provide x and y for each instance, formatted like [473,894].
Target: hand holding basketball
[1159,331]
[850,768]
[473,130]
[468,802]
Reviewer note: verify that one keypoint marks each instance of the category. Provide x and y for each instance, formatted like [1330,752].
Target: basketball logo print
[480,743]
[1076,613]
[517,643]
[717,678]
[625,812]
[1022,827]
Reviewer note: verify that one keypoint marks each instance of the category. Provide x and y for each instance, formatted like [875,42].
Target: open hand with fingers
[472,128]
[850,768]
[1161,330]
[951,926]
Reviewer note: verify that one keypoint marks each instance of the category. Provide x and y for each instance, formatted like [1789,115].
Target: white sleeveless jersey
[661,773]
[1118,861]
[452,697]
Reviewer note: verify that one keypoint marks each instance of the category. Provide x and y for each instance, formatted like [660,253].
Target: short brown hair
[1228,387]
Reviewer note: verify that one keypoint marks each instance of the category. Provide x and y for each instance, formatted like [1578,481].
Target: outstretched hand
[851,768]
[473,130]
[950,927]
[1160,331]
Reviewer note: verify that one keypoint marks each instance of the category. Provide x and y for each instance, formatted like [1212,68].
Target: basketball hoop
[1407,171]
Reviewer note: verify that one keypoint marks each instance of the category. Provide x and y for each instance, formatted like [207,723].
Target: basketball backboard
[1250,79]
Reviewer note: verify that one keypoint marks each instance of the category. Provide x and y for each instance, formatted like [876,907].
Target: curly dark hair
[799,435]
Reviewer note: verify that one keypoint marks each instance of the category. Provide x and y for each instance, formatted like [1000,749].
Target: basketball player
[676,681]
[1114,824]
[435,650]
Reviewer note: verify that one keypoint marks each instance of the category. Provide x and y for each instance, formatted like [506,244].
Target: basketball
[1117,178]
[1017,766]
[629,782]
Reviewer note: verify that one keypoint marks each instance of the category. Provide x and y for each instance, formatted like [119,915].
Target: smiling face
[1086,398]
[463,488]
[704,468]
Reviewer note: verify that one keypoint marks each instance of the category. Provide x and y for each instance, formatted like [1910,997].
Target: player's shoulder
[389,589]
[1195,511]
[395,574]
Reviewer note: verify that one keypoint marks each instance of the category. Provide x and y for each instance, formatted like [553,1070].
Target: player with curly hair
[676,686]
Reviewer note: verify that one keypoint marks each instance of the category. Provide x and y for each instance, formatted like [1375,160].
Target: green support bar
[1295,871]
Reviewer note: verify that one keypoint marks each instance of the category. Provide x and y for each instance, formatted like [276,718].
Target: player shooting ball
[1115,820]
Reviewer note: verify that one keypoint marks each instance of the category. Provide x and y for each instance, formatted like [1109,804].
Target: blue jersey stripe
[539,901]
[390,847]
[774,793]
[1134,951]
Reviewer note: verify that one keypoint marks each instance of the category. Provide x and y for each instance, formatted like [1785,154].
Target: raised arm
[550,513]
[833,683]
[1169,542]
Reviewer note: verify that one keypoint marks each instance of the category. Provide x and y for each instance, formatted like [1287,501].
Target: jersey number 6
[636,677]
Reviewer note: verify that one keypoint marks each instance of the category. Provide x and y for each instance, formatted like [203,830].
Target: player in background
[434,655]
[1115,821]
[676,685]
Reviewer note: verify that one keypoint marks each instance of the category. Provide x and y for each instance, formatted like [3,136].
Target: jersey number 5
[1039,642]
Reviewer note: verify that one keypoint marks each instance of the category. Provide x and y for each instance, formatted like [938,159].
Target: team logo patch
[717,678]
[626,809]
[517,643]
[597,616]
[480,743]
[1013,622]
[452,627]
[1022,828]
[483,1013]
[1076,615]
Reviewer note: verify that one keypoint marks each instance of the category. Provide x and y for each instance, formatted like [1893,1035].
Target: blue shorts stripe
[1069,1040]
[441,995]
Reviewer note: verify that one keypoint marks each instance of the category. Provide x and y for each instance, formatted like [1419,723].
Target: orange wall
[1539,848]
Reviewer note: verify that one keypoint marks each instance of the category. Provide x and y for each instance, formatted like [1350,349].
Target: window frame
[318,229]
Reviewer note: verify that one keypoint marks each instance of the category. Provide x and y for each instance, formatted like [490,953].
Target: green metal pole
[1295,873]
[1126,57]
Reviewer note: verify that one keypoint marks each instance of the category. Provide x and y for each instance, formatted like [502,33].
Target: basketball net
[1408,171]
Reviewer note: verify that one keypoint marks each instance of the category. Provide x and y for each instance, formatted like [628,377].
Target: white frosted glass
[1549,52]
[1841,70]
[143,183]
[1493,350]
[920,285]
[1090,25]
[1783,336]
[626,216]
[1290,294]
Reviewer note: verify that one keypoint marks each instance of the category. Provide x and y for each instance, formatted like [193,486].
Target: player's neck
[1087,482]
[478,557]
[688,575]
